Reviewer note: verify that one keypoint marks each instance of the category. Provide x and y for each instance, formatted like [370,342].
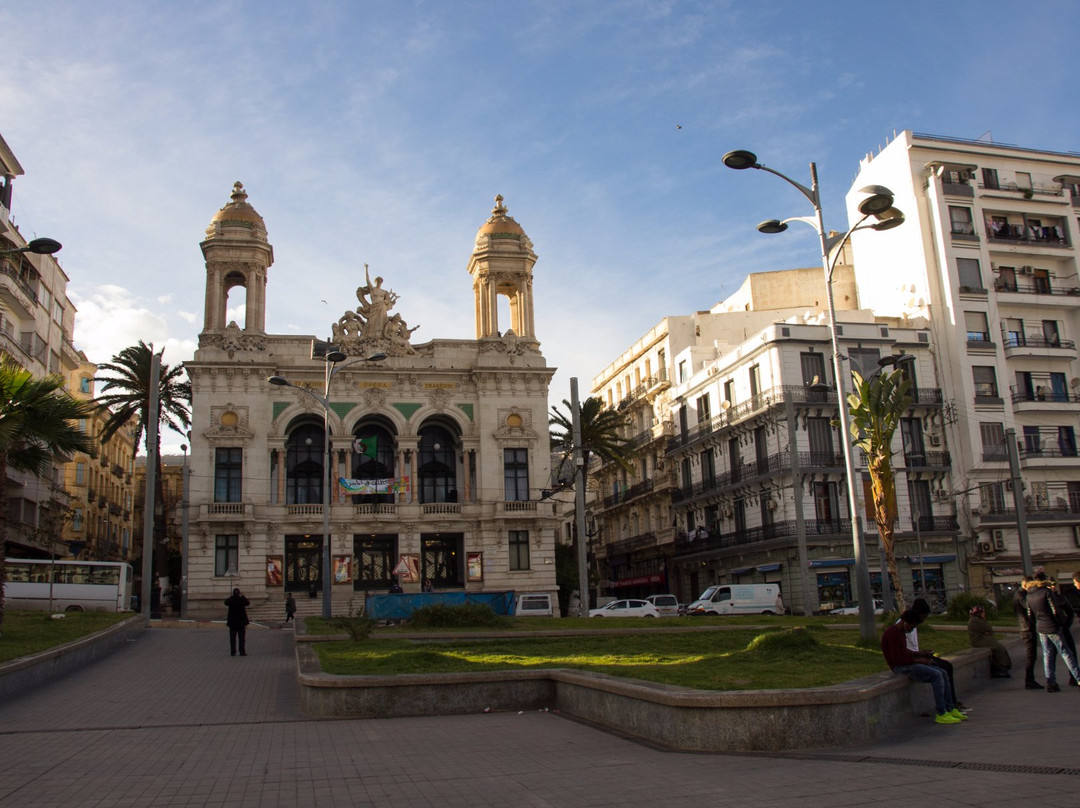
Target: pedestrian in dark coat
[1025,621]
[237,621]
[1049,610]
[290,607]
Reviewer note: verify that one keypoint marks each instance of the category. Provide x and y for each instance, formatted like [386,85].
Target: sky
[379,133]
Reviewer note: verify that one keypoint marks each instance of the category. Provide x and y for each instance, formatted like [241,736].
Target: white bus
[76,586]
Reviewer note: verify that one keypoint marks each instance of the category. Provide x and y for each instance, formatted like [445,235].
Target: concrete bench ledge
[25,673]
[841,715]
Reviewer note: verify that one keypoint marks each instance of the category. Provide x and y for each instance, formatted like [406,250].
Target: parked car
[666,605]
[626,608]
[879,608]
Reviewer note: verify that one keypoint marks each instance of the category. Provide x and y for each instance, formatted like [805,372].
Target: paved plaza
[172,720]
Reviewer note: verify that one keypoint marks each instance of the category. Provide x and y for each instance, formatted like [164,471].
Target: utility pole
[579,503]
[152,419]
[1018,500]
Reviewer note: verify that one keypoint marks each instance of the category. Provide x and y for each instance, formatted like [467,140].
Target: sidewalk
[172,720]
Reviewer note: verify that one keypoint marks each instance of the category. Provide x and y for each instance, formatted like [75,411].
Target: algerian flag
[366,446]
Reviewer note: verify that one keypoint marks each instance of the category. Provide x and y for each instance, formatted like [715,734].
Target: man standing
[1049,613]
[1025,621]
[237,621]
[917,666]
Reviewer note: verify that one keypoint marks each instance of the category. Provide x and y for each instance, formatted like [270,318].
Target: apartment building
[36,323]
[102,488]
[989,256]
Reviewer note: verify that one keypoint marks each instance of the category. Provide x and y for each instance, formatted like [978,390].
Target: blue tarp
[401,607]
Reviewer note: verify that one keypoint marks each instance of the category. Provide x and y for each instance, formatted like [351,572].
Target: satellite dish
[725,405]
[1074,382]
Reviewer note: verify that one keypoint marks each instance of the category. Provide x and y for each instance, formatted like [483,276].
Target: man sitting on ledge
[918,666]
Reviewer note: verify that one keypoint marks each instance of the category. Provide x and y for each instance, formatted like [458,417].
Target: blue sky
[380,132]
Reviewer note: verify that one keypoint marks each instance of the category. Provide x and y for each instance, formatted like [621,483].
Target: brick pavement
[172,720]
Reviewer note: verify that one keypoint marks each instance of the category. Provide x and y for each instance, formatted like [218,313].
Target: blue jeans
[943,695]
[1053,646]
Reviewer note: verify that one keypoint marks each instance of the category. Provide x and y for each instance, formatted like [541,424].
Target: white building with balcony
[36,325]
[989,255]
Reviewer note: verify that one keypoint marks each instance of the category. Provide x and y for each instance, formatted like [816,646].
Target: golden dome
[238,211]
[500,222]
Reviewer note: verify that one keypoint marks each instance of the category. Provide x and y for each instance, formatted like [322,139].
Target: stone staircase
[271,612]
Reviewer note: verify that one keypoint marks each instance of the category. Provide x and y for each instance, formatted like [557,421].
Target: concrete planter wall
[843,715]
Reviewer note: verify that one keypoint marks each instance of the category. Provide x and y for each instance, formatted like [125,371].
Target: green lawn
[31,632]
[709,660]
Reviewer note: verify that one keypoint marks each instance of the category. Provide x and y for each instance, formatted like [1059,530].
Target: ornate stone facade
[449,436]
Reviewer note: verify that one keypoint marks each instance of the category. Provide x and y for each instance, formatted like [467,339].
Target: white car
[626,608]
[666,605]
[879,608]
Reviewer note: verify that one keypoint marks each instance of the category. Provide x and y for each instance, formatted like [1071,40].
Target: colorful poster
[342,569]
[474,566]
[274,567]
[384,485]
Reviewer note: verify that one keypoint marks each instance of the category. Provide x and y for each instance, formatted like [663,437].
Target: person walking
[237,621]
[1025,621]
[290,607]
[1048,611]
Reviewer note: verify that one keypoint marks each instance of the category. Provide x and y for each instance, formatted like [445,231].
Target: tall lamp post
[40,246]
[332,360]
[877,202]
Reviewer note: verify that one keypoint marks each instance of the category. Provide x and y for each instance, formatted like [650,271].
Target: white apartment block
[36,324]
[742,476]
[989,256]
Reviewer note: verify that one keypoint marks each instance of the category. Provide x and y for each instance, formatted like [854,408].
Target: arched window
[375,461]
[304,464]
[437,468]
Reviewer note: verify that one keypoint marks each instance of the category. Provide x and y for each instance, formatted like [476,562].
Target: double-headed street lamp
[332,360]
[877,202]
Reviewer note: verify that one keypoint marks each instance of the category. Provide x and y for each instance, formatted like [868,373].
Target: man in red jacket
[917,666]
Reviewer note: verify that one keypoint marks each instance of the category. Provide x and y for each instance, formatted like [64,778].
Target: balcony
[441,508]
[630,493]
[638,542]
[238,510]
[1041,236]
[716,540]
[927,460]
[743,473]
[375,509]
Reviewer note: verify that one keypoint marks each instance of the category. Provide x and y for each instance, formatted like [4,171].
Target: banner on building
[383,485]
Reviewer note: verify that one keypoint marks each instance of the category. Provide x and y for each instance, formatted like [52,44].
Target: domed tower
[237,253]
[501,264]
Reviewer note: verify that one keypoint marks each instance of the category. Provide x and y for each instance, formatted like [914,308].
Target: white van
[738,599]
[533,605]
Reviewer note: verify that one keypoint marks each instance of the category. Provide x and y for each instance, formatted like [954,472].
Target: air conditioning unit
[942,494]
[1027,270]
[999,539]
[986,547]
[770,504]
[935,440]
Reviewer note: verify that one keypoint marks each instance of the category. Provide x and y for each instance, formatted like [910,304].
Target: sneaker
[955,713]
[1053,687]
[946,718]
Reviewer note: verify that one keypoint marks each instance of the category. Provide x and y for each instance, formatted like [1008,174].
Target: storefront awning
[935,559]
[833,562]
[640,580]
[769,567]
[742,570]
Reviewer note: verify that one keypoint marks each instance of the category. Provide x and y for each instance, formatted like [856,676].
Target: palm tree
[876,407]
[36,426]
[125,395]
[599,436]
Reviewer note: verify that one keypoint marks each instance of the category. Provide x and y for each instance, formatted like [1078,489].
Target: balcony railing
[636,490]
[922,460]
[717,540]
[1037,287]
[647,539]
[1037,341]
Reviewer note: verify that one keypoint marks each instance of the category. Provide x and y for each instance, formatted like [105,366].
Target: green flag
[366,446]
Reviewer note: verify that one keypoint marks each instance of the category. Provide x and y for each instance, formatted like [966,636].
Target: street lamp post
[332,360]
[40,246]
[877,202]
